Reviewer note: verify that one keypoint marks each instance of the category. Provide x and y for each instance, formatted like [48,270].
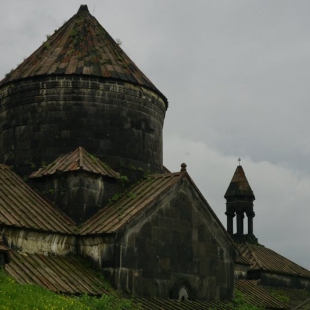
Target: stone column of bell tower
[239,202]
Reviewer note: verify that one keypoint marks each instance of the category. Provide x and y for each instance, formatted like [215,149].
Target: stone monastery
[83,189]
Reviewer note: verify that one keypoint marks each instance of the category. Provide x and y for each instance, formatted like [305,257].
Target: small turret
[239,201]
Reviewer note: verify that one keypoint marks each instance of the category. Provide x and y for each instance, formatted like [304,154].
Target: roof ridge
[101,221]
[165,174]
[81,157]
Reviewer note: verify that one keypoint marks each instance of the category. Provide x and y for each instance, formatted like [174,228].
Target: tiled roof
[242,260]
[77,160]
[62,274]
[257,296]
[135,201]
[289,296]
[239,185]
[252,293]
[20,206]
[112,217]
[262,258]
[81,46]
[170,304]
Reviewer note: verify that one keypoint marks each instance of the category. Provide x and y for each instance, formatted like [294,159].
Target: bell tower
[239,202]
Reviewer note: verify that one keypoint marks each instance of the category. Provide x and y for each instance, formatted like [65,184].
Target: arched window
[183,293]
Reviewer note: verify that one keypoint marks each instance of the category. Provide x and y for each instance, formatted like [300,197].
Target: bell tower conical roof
[239,185]
[81,47]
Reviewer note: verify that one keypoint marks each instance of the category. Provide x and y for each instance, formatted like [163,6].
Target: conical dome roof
[239,185]
[81,47]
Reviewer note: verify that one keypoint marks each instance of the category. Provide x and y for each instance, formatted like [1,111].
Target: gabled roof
[81,46]
[239,185]
[20,206]
[62,274]
[136,201]
[264,259]
[128,205]
[77,160]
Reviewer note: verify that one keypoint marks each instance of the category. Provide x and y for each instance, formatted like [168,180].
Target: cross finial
[239,160]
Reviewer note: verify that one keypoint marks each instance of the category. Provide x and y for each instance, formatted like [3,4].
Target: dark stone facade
[79,194]
[175,246]
[45,117]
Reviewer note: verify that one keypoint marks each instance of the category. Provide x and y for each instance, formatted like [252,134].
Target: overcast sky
[236,74]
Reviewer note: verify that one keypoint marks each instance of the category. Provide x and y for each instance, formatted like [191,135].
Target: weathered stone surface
[43,118]
[279,280]
[241,271]
[79,194]
[160,252]
[38,242]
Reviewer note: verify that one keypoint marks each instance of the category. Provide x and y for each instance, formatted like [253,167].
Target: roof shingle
[20,206]
[62,274]
[239,185]
[114,216]
[257,296]
[77,160]
[262,258]
[81,46]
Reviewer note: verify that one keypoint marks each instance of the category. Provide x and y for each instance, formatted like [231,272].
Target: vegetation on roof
[240,302]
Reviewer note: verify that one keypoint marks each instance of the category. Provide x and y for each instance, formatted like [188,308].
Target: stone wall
[39,242]
[241,271]
[177,246]
[79,194]
[279,280]
[43,118]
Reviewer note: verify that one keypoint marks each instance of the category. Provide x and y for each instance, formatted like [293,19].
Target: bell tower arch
[239,205]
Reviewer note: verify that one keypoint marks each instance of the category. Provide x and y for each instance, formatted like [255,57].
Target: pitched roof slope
[252,293]
[135,201]
[291,297]
[112,217]
[20,206]
[77,160]
[173,304]
[256,295]
[81,46]
[62,274]
[262,258]
[239,185]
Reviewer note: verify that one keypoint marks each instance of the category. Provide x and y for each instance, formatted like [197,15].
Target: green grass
[17,296]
